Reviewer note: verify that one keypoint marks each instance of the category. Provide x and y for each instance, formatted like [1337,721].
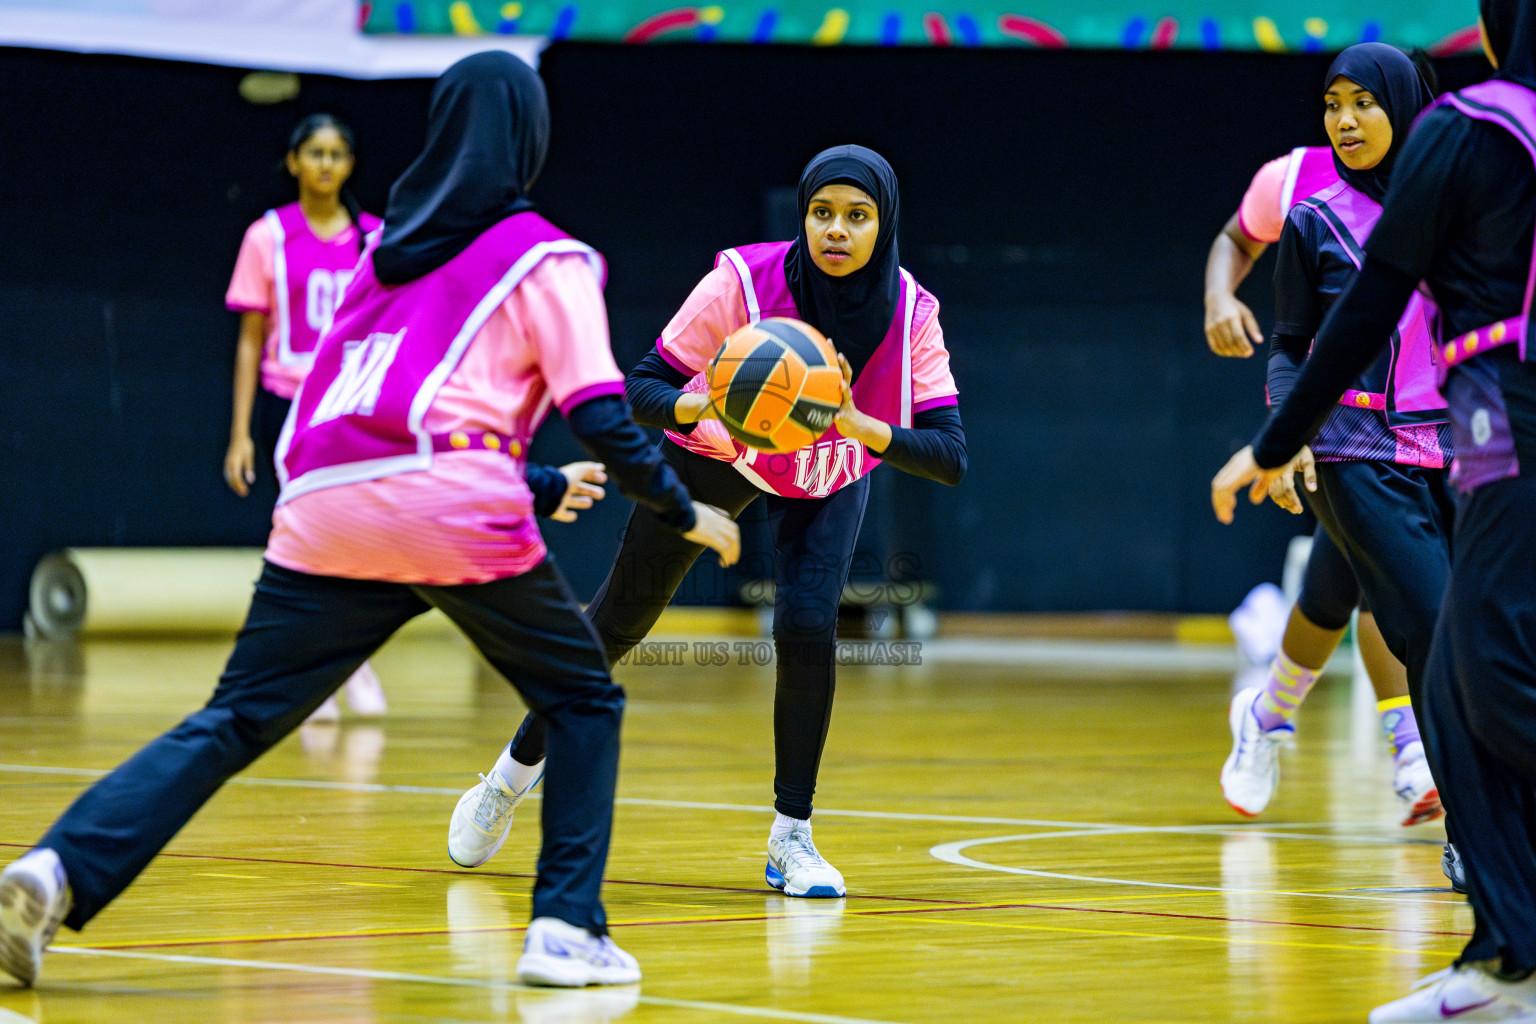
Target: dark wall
[1059,204]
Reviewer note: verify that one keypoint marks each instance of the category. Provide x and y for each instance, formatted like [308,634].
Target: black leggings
[1393,522]
[303,637]
[1329,591]
[813,541]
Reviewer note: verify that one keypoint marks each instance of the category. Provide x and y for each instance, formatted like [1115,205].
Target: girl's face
[1357,125]
[322,163]
[841,225]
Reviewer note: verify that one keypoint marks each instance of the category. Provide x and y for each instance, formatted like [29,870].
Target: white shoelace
[494,806]
[799,848]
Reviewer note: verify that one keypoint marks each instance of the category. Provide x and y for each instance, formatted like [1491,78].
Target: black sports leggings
[1329,591]
[813,540]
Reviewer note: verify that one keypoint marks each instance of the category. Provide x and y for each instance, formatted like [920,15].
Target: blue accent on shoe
[771,874]
[820,892]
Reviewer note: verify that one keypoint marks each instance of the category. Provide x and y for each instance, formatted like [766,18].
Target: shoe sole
[552,972]
[494,849]
[24,908]
[1428,808]
[815,892]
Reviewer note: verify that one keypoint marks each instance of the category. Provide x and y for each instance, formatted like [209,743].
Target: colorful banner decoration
[1441,26]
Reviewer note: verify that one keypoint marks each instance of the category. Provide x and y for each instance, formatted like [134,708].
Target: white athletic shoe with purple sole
[562,955]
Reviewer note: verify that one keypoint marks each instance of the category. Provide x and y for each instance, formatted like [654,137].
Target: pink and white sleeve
[1260,215]
[932,383]
[250,289]
[714,309]
[562,304]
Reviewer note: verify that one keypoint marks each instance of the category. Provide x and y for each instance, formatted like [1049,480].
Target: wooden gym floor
[1028,833]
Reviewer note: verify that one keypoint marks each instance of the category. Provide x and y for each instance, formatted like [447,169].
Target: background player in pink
[1330,592]
[404,491]
[293,265]
[842,274]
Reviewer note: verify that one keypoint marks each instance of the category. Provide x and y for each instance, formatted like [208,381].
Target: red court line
[947,906]
[750,918]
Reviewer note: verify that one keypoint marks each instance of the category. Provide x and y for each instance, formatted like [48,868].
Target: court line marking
[953,853]
[1088,827]
[483,983]
[739,918]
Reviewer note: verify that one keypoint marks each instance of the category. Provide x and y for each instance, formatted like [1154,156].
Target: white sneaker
[34,898]
[326,713]
[795,867]
[1416,787]
[365,695]
[1252,771]
[481,821]
[563,955]
[1462,994]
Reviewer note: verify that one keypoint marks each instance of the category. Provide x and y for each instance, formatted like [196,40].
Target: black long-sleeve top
[1459,216]
[604,427]
[933,447]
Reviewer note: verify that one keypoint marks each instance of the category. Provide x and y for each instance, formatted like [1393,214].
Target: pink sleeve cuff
[246,307]
[935,403]
[1242,225]
[591,391]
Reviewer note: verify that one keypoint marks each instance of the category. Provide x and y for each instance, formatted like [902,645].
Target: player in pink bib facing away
[843,276]
[405,489]
[293,266]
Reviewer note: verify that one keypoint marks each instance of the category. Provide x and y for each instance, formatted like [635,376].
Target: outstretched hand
[717,531]
[1282,489]
[1240,470]
[583,486]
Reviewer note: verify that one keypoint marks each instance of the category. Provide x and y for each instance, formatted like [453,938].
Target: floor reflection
[798,929]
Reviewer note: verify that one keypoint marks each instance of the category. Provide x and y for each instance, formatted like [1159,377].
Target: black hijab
[1511,28]
[1390,76]
[855,311]
[488,129]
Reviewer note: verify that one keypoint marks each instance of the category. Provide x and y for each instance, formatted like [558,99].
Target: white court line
[694,805]
[953,853]
[484,983]
[1087,827]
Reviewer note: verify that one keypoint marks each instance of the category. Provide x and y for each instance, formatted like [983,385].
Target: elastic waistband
[1364,400]
[1505,332]
[477,440]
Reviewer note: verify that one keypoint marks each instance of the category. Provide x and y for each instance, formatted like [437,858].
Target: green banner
[1442,26]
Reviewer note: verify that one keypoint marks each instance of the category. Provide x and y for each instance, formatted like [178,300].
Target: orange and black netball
[776,384]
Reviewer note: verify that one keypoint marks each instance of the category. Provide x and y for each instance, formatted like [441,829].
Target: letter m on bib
[356,388]
[826,465]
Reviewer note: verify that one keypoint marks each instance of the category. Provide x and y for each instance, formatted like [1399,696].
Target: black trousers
[813,542]
[1481,703]
[303,636]
[1393,523]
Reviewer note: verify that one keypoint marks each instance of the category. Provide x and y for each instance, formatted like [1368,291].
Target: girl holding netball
[405,490]
[1460,218]
[293,266]
[842,275]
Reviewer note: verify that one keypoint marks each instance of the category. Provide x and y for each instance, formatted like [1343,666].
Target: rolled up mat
[150,590]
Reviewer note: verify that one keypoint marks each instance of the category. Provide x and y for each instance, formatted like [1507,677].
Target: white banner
[315,36]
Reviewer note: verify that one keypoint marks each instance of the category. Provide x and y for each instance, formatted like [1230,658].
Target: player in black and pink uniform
[1461,217]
